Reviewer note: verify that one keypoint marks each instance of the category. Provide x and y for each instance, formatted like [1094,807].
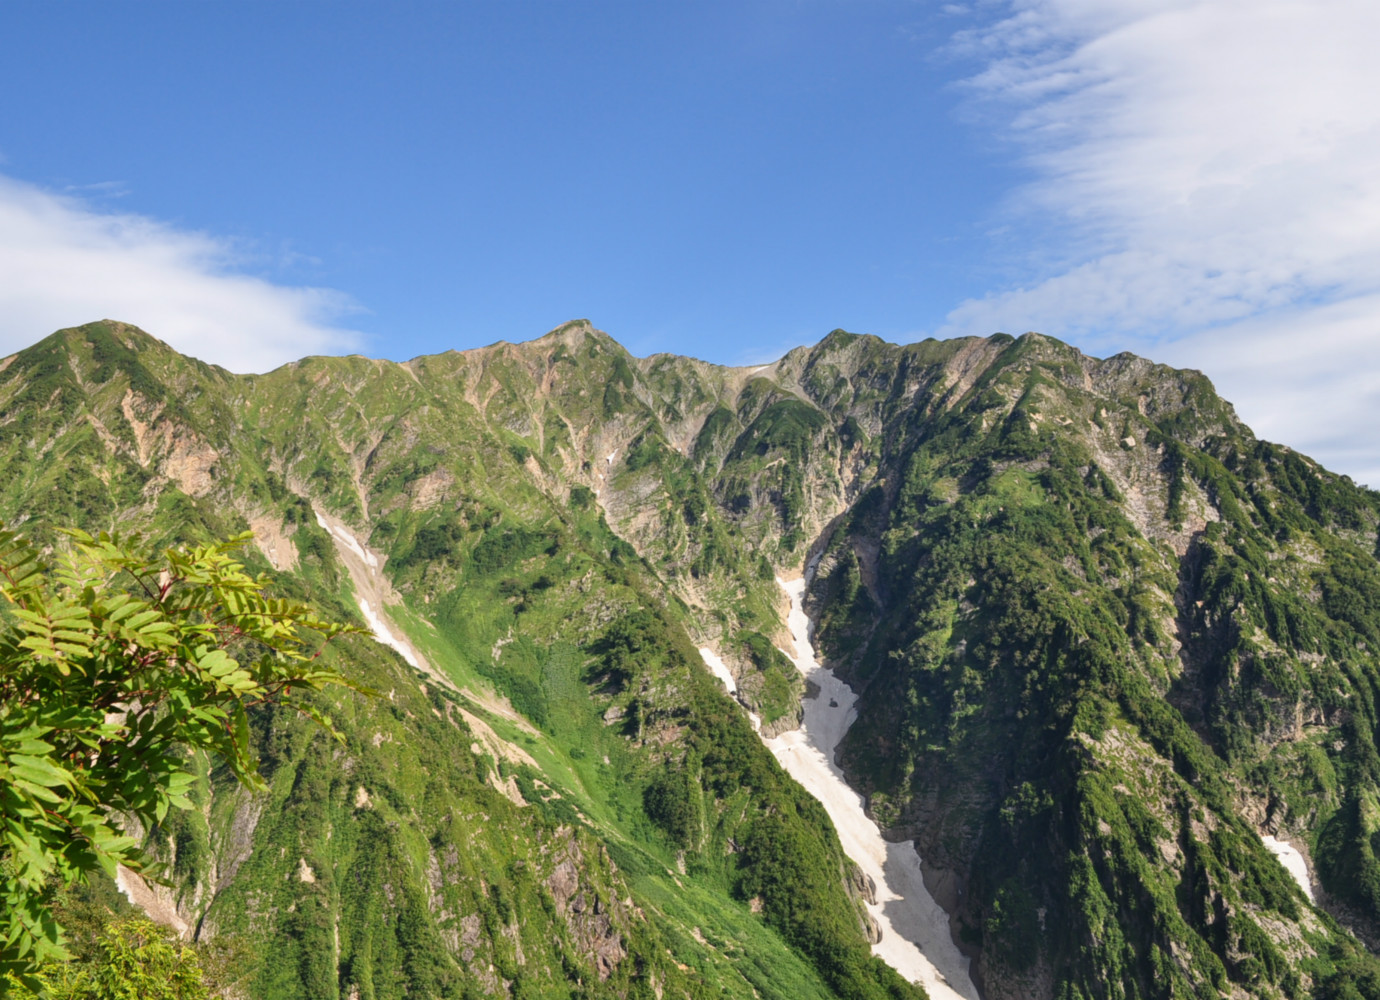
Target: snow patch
[915,929]
[347,538]
[719,669]
[1292,860]
[383,634]
[373,592]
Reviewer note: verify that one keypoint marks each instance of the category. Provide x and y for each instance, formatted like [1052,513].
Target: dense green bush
[672,801]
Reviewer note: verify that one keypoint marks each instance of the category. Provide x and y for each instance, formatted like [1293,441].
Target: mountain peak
[105,333]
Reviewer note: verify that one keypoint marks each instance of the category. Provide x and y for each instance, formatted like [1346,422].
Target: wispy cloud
[107,189]
[1205,190]
[64,262]
[1308,376]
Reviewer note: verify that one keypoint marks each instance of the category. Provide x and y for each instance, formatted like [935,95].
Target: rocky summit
[1116,665]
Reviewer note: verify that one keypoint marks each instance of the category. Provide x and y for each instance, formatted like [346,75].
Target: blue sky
[726,178]
[1190,179]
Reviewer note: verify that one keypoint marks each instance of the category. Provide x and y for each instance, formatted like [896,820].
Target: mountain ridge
[1071,593]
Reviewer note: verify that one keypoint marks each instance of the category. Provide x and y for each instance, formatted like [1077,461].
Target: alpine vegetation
[1115,664]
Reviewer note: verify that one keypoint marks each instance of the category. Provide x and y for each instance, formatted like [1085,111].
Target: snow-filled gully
[915,929]
[373,591]
[1293,861]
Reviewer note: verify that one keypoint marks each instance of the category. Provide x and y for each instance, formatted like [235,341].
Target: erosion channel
[915,929]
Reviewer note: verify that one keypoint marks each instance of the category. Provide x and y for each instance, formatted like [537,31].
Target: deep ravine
[915,929]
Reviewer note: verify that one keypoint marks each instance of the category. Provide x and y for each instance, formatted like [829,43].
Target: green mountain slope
[622,832]
[1103,638]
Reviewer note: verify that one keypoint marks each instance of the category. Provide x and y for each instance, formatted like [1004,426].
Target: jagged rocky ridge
[1103,638]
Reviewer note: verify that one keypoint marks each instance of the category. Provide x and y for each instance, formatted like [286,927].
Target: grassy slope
[392,864]
[1102,634]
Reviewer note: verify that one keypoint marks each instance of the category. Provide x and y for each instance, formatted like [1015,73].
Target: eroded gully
[915,929]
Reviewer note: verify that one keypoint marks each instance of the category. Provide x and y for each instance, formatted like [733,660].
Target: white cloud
[1306,376]
[63,263]
[1206,177]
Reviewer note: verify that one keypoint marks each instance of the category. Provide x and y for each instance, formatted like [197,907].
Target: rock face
[1102,639]
[866,889]
[587,915]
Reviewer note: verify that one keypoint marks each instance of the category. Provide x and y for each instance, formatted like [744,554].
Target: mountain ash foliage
[114,663]
[1103,639]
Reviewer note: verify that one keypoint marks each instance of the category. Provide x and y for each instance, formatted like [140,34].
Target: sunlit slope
[446,847]
[1103,639]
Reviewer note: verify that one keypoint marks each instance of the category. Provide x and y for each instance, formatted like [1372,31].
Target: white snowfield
[372,591]
[385,635]
[342,534]
[915,930]
[1292,860]
[719,669]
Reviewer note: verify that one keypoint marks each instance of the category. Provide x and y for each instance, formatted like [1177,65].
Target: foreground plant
[132,958]
[115,663]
